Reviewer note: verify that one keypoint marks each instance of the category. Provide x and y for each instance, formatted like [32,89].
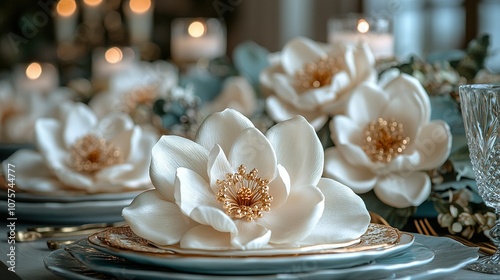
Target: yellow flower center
[319,73]
[244,195]
[92,153]
[384,140]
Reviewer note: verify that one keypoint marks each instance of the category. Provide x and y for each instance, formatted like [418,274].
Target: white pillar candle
[66,17]
[354,30]
[193,39]
[92,11]
[139,15]
[108,62]
[35,77]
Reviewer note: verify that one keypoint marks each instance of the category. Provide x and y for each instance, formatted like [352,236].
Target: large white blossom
[20,110]
[78,151]
[140,84]
[386,141]
[315,80]
[236,188]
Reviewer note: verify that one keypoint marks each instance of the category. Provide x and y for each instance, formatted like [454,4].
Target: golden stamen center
[384,140]
[92,153]
[244,195]
[319,73]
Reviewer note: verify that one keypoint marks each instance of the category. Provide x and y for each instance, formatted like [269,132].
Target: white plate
[254,265]
[68,213]
[450,257]
[98,261]
[123,238]
[70,196]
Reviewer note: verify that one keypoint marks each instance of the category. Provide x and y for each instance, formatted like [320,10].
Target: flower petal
[170,153]
[205,237]
[253,150]
[406,109]
[400,192]
[365,62]
[366,104]
[215,218]
[434,144]
[80,119]
[281,111]
[358,178]
[114,124]
[345,216]
[250,235]
[222,128]
[49,142]
[279,188]
[299,150]
[412,87]
[345,130]
[151,217]
[31,172]
[299,51]
[295,220]
[218,167]
[191,191]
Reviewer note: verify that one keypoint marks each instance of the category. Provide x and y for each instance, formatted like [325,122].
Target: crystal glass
[481,113]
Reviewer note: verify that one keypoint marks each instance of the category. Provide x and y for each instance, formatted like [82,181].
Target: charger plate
[378,241]
[79,259]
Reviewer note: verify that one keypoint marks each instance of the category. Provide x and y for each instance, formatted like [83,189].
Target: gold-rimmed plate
[379,241]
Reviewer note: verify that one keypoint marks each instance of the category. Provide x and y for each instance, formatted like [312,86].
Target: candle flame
[196,29]
[363,26]
[140,6]
[92,2]
[34,71]
[66,7]
[113,55]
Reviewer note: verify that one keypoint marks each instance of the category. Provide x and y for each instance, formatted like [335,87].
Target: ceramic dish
[69,213]
[97,261]
[380,243]
[411,264]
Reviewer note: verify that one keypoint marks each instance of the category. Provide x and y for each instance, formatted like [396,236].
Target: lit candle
[65,20]
[36,77]
[195,39]
[139,15]
[375,34]
[91,11]
[111,61]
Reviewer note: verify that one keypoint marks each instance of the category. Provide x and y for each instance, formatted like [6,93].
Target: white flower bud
[456,227]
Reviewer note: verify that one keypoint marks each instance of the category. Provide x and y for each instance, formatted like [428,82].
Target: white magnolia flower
[140,84]
[315,80]
[235,188]
[238,94]
[80,152]
[386,141]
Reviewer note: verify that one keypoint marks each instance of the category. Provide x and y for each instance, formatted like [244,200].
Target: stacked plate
[68,207]
[382,252]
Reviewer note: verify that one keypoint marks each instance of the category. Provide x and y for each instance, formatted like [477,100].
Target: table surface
[30,255]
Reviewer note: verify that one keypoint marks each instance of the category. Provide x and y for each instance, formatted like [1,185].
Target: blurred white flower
[315,80]
[238,94]
[236,188]
[20,110]
[141,84]
[386,142]
[80,152]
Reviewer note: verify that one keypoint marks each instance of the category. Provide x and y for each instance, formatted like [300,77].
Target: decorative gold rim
[122,240]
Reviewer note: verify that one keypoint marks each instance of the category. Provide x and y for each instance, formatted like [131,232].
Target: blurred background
[28,29]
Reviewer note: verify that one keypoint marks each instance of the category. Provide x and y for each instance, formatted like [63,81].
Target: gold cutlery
[424,227]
